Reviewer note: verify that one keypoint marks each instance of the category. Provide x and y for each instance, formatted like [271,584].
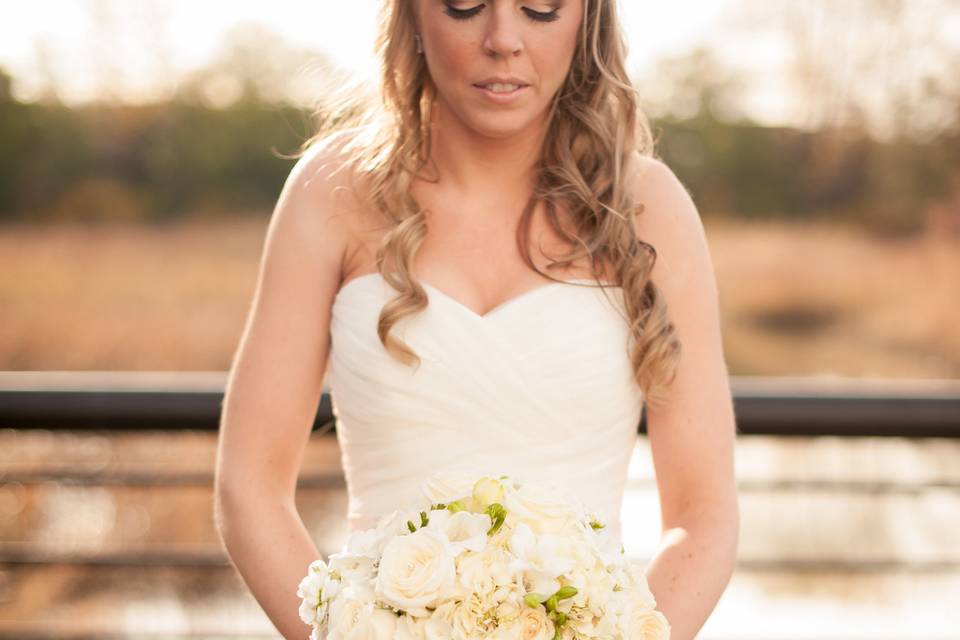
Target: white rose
[416,570]
[357,618]
[436,628]
[644,623]
[543,509]
[410,628]
[532,624]
[384,624]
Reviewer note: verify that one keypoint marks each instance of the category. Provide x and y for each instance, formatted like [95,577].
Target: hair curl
[595,125]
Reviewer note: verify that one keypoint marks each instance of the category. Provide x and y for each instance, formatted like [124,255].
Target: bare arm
[692,432]
[272,394]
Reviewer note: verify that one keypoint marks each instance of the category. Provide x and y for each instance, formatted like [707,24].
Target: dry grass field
[796,299]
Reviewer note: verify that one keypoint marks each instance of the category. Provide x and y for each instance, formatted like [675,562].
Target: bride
[496,272]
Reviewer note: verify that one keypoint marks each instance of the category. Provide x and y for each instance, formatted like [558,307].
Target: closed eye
[466,14]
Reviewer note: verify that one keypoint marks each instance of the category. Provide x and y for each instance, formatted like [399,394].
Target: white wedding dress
[540,387]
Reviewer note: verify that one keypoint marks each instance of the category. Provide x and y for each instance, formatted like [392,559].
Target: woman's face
[467,42]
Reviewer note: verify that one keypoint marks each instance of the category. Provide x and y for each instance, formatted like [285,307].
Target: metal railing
[782,406]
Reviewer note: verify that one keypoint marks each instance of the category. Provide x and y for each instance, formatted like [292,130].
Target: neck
[484,167]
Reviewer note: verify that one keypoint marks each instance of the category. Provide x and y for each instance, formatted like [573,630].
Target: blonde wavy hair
[594,125]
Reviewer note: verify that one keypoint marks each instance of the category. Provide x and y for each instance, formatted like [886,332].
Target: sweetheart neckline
[506,304]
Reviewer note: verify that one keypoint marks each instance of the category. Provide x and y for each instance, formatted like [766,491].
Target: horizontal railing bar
[786,406]
[328,481]
[30,554]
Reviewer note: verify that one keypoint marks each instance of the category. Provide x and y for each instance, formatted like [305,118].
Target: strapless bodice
[541,387]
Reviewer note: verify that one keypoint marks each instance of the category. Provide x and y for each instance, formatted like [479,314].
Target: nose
[503,31]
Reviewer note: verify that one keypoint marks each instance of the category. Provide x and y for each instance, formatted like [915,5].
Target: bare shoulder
[323,173]
[317,202]
[668,219]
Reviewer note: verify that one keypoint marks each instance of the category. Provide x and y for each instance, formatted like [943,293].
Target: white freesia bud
[487,490]
[415,571]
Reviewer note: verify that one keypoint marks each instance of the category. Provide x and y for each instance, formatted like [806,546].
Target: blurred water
[840,538]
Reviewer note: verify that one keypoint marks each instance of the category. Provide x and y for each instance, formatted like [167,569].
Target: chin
[498,129]
[501,123]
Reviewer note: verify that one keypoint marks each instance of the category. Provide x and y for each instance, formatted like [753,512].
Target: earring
[416,39]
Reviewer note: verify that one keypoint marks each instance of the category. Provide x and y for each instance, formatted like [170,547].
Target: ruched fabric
[541,387]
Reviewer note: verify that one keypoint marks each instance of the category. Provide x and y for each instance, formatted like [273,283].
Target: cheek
[452,57]
[552,58]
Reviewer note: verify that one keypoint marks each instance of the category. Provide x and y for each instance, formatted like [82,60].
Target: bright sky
[56,39]
[60,31]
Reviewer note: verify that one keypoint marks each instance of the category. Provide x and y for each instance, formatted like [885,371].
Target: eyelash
[466,14]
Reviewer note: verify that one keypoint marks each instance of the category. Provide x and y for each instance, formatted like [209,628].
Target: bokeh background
[143,144]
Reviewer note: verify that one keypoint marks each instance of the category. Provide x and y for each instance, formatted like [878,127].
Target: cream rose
[410,628]
[533,624]
[416,570]
[645,623]
[543,509]
[354,616]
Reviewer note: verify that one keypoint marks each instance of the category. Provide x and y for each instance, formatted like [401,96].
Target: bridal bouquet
[482,558]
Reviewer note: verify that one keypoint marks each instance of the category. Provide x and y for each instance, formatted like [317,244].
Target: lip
[502,98]
[502,80]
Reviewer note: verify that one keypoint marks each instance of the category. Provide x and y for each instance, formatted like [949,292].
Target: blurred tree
[6,86]
[254,65]
[867,61]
